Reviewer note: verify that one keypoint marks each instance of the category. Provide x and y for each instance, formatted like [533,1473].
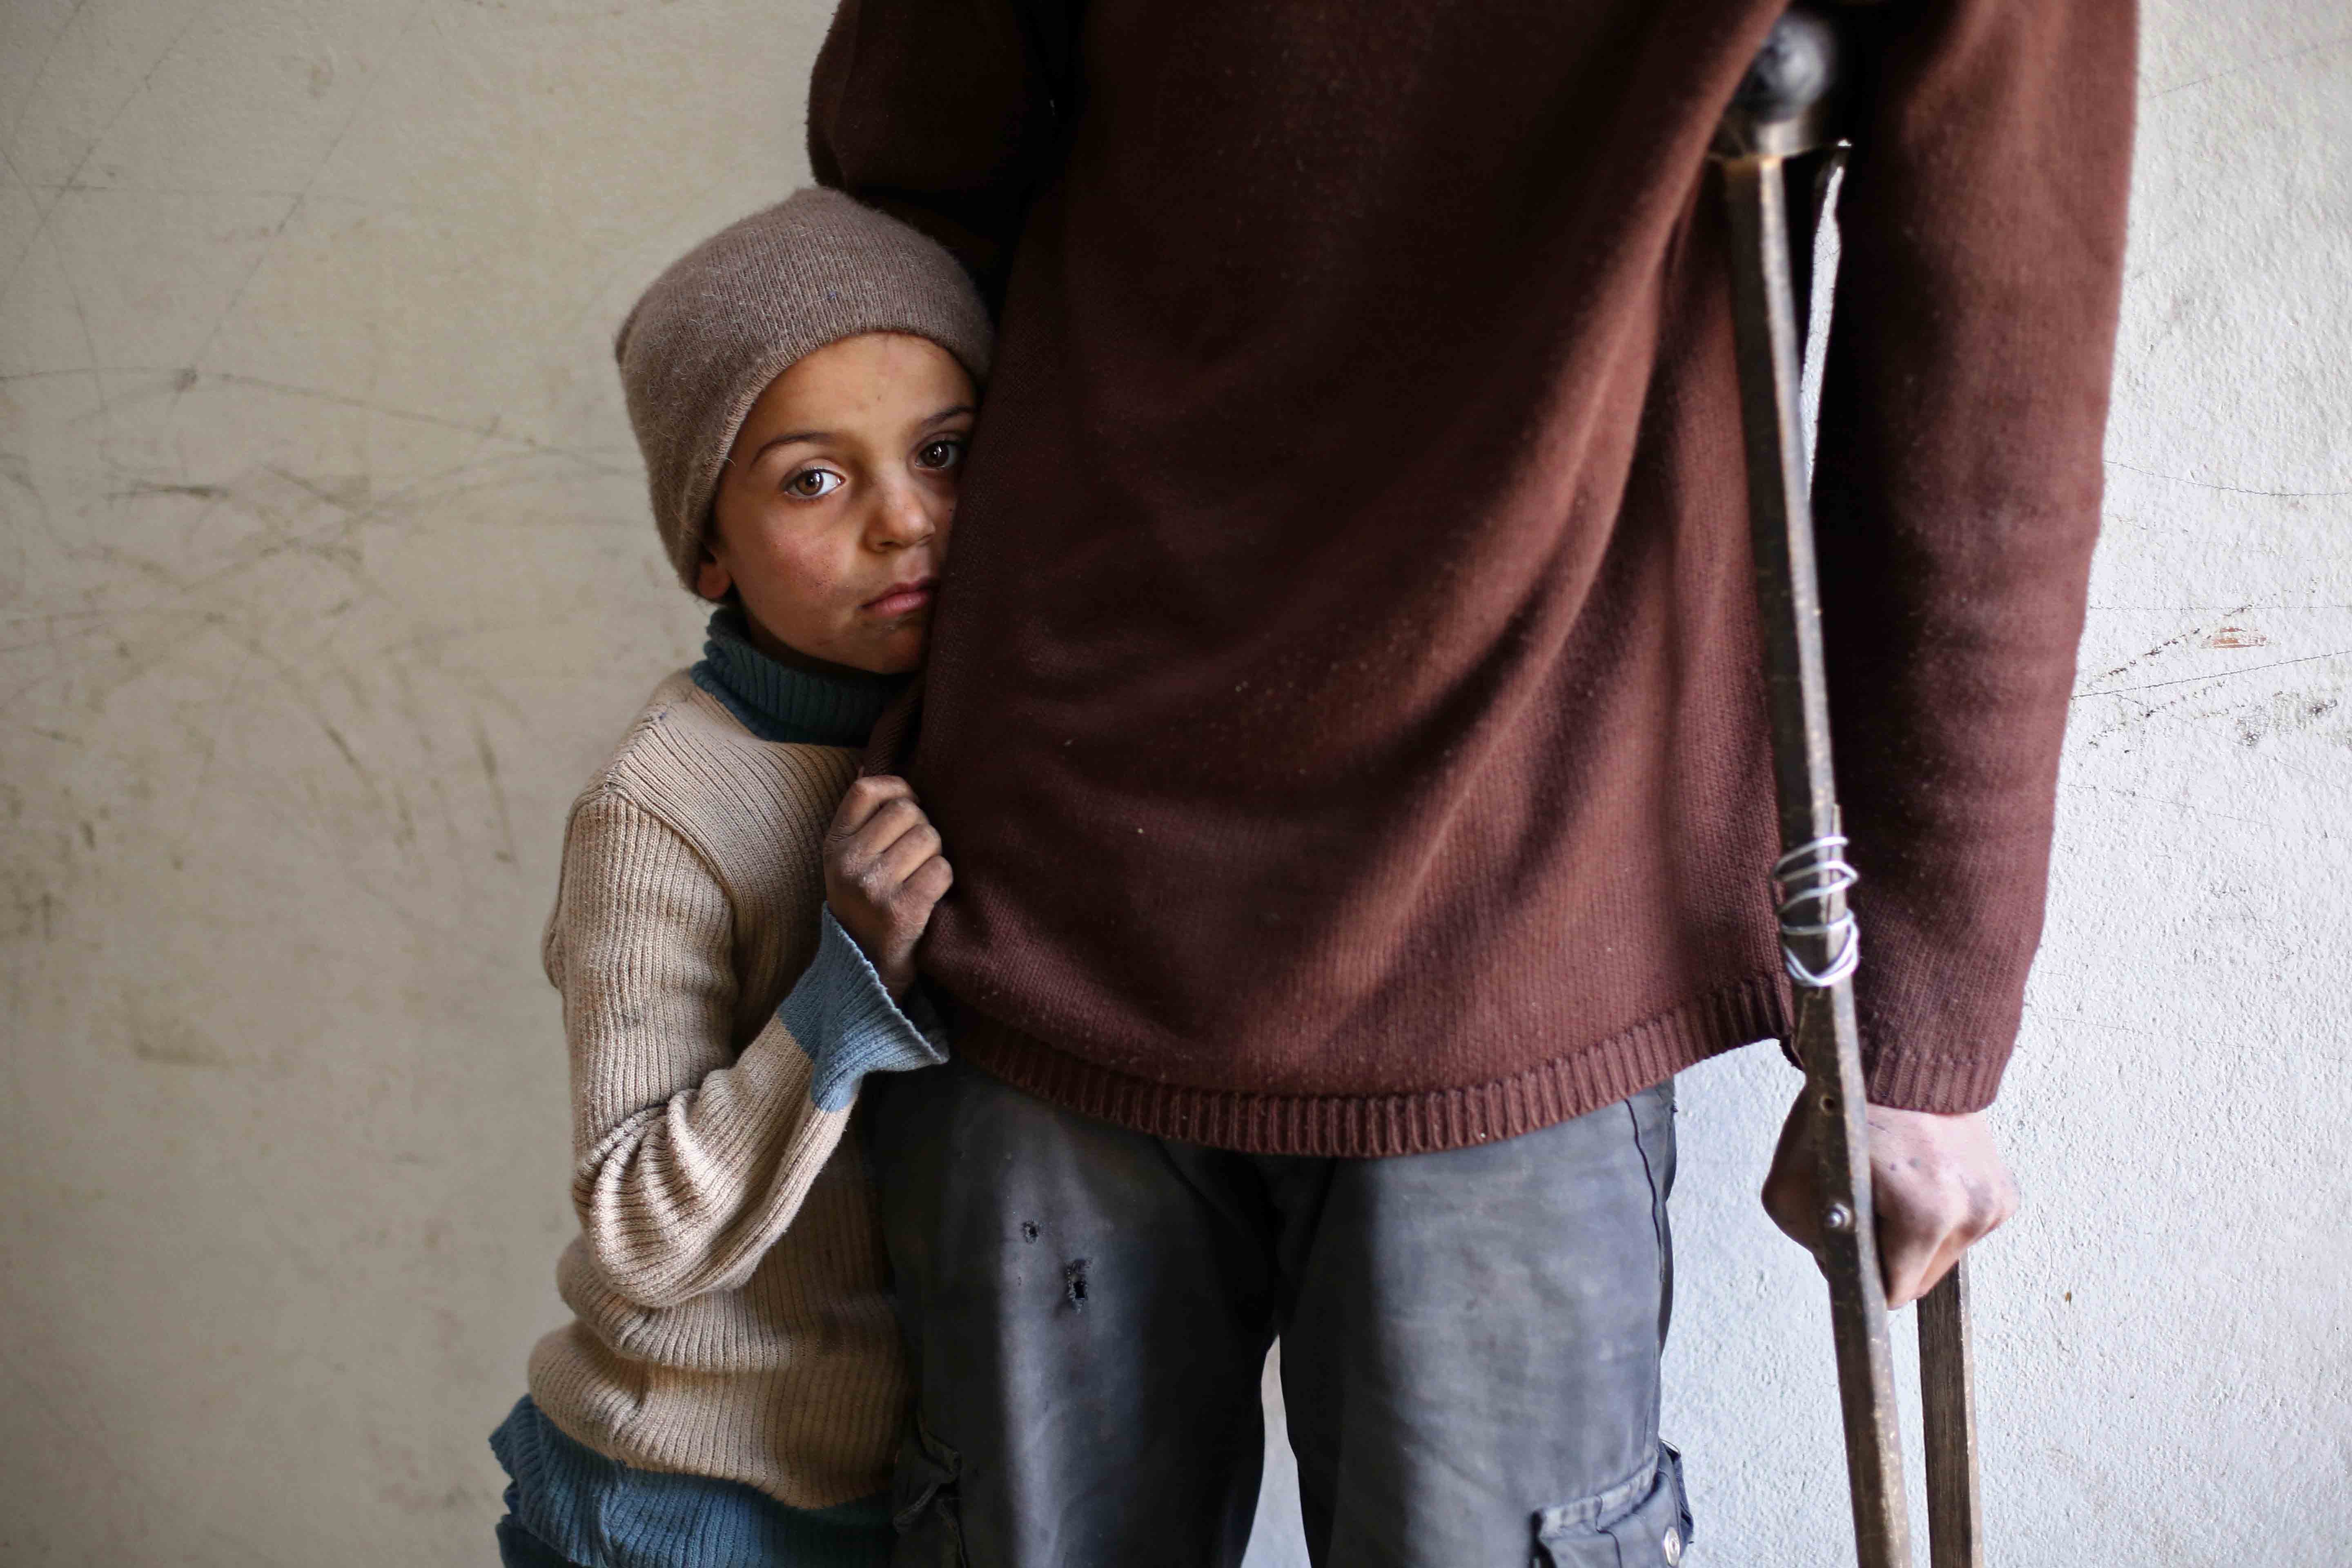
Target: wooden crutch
[1774,147]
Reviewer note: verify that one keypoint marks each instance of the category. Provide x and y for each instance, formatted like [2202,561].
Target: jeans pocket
[1644,1521]
[925,1508]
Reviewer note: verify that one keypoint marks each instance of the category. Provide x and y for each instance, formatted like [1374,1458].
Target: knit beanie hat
[737,311]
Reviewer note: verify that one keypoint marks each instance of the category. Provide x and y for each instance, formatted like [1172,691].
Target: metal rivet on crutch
[1837,1216]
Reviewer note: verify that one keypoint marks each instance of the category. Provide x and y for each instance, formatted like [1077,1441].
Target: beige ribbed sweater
[731,1291]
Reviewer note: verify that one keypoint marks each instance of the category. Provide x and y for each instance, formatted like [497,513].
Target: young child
[732,1389]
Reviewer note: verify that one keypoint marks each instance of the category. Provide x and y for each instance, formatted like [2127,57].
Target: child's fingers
[880,878]
[885,821]
[928,883]
[919,843]
[864,798]
[877,843]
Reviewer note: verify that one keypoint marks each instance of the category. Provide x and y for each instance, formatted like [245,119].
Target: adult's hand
[1936,1183]
[884,874]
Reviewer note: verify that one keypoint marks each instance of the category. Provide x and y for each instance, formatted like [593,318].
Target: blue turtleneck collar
[778,703]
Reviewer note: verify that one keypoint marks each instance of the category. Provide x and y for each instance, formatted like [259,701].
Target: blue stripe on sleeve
[843,1017]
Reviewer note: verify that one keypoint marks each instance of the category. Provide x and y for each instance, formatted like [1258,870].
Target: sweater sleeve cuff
[1945,1085]
[1948,1086]
[841,1014]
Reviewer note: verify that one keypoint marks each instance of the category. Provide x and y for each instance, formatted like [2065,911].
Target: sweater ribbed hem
[1373,1126]
[601,1513]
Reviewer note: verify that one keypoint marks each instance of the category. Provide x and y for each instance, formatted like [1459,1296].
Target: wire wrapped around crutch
[1815,874]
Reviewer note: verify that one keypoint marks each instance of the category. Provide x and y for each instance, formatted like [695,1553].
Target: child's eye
[810,483]
[944,453]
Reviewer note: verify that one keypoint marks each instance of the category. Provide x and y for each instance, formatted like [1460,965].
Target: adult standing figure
[1345,719]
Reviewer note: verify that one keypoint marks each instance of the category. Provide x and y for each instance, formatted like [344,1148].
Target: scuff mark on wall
[489,761]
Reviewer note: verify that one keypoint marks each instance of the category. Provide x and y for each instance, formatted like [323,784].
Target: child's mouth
[903,598]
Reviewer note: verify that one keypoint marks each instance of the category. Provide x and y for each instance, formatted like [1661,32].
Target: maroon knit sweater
[1344,709]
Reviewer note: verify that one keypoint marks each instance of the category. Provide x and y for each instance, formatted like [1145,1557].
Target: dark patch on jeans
[1028,1230]
[1073,1283]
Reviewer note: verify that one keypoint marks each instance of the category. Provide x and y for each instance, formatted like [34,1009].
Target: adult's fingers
[1939,1187]
[1912,1269]
[1791,1187]
[1907,1256]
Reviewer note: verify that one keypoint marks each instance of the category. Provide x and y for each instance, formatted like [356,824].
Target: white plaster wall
[325,577]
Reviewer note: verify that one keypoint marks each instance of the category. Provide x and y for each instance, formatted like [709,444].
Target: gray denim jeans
[1470,1339]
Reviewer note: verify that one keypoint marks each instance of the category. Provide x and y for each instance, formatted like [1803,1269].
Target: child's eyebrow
[791,437]
[772,442]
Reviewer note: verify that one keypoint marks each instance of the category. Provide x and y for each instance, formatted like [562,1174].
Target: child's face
[832,513]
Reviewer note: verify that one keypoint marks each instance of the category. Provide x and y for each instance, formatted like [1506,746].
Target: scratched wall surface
[325,578]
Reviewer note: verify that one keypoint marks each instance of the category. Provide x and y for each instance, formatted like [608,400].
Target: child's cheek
[817,573]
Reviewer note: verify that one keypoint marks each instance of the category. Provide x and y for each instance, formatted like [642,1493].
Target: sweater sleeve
[1963,412]
[690,1158]
[946,115]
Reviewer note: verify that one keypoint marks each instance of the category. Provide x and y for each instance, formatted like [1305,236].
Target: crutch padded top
[1794,70]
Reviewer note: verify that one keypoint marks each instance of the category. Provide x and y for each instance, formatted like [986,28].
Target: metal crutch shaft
[1948,1413]
[1783,112]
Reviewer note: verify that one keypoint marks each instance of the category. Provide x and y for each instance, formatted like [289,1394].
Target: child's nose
[905,518]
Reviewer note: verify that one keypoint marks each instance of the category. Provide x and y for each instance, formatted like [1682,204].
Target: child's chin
[900,654]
